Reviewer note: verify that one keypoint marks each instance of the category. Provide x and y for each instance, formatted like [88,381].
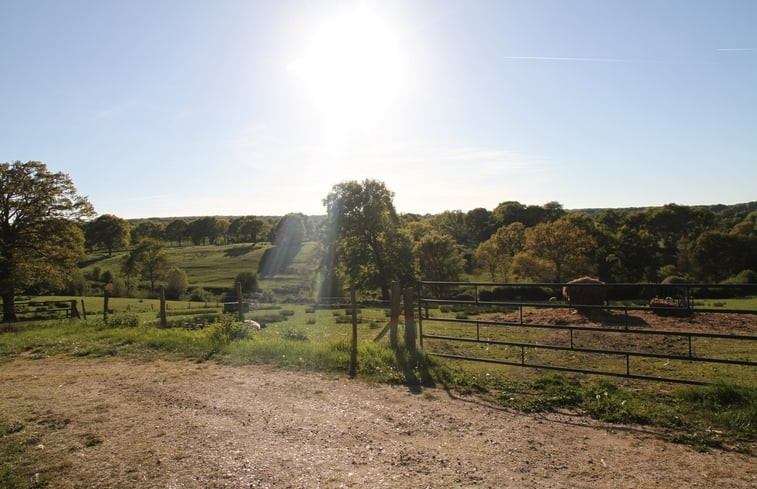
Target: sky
[167,108]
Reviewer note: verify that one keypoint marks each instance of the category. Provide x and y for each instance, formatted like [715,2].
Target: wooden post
[395,314]
[353,351]
[409,320]
[240,302]
[105,305]
[163,321]
[74,310]
[83,310]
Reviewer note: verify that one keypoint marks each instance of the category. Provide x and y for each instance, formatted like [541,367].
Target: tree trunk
[9,307]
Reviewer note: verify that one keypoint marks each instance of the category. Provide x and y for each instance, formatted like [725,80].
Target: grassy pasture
[216,266]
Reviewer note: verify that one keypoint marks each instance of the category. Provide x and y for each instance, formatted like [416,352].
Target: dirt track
[111,423]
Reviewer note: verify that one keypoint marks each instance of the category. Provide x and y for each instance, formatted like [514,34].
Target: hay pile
[591,292]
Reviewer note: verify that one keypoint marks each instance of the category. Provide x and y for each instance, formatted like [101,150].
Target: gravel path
[114,423]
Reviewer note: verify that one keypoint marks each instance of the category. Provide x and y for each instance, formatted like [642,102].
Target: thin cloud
[736,49]
[560,58]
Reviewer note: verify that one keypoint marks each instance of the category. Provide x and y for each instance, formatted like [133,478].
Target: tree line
[369,244]
[45,226]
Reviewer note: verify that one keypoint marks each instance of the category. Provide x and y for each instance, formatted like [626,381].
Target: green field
[215,267]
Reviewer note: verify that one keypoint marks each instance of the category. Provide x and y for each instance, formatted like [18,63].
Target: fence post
[353,351]
[395,315]
[163,321]
[74,310]
[105,305]
[409,320]
[83,310]
[420,317]
[240,302]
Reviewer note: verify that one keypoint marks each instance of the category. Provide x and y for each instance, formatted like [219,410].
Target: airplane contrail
[556,58]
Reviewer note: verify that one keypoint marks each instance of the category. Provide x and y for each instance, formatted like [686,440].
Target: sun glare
[351,68]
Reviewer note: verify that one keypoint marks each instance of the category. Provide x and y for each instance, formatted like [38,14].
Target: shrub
[123,320]
[198,294]
[249,281]
[177,284]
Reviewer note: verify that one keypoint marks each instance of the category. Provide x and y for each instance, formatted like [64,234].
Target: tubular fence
[485,322]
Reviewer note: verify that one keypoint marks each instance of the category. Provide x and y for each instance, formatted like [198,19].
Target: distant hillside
[733,210]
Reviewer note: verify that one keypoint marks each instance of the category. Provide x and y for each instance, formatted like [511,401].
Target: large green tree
[365,242]
[496,253]
[40,239]
[439,259]
[107,231]
[150,259]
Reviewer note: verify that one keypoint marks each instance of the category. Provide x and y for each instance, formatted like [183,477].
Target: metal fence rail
[425,303]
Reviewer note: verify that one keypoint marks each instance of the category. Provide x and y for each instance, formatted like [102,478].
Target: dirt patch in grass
[703,322]
[113,423]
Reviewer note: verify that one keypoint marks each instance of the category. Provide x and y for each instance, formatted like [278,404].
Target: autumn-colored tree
[561,244]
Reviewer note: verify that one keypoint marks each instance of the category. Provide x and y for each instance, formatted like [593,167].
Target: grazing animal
[592,294]
[252,323]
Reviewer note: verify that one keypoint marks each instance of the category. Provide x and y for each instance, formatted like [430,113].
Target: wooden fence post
[105,305]
[240,302]
[83,310]
[353,351]
[74,310]
[409,320]
[163,321]
[395,314]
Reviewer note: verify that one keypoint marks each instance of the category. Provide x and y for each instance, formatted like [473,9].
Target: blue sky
[176,108]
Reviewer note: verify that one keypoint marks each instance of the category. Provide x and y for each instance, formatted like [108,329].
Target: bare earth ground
[115,423]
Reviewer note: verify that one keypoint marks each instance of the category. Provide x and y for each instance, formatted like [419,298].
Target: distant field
[216,266]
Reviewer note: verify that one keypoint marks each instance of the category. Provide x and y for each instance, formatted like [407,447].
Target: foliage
[365,242]
[107,231]
[176,284]
[249,281]
[177,230]
[149,259]
[439,258]
[496,254]
[557,251]
[40,241]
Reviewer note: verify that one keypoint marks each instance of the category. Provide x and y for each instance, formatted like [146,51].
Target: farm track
[114,423]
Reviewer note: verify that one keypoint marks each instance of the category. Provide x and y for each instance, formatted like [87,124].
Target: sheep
[251,323]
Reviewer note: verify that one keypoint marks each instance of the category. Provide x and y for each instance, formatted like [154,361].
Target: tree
[147,229]
[177,230]
[563,245]
[248,280]
[176,283]
[209,228]
[150,259]
[496,254]
[364,242]
[246,229]
[40,239]
[439,258]
[451,223]
[107,231]
[479,224]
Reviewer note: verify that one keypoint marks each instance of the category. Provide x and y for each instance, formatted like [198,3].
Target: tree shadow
[414,366]
[277,259]
[239,251]
[613,318]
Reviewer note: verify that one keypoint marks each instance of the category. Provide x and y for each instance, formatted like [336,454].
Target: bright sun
[351,68]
